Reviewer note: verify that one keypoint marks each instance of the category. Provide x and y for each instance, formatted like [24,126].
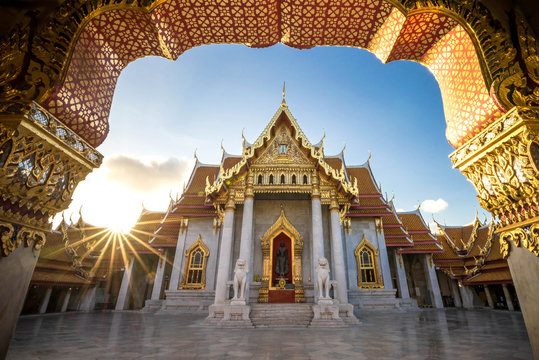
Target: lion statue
[322,270]
[240,277]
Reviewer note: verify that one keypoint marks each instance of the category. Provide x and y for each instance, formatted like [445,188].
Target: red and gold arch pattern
[114,38]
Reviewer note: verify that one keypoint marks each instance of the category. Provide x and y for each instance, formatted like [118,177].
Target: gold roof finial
[284,93]
[195,155]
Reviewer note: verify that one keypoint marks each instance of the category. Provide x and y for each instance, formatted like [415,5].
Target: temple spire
[284,93]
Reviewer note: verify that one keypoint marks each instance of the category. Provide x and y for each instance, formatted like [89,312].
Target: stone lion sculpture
[322,271]
[240,277]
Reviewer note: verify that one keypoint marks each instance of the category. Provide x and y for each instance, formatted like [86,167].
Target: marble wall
[204,228]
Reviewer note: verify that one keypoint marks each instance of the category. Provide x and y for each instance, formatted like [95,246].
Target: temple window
[282,179]
[305,180]
[294,179]
[271,179]
[367,265]
[194,276]
[259,179]
[282,149]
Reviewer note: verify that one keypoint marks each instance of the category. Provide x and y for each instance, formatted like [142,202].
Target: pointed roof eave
[197,165]
[367,165]
[320,144]
[418,213]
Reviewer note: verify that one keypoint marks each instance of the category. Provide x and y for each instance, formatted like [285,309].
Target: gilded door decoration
[282,225]
[368,265]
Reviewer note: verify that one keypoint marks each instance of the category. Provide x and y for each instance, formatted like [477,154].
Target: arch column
[122,303]
[508,299]
[246,242]
[489,297]
[178,256]
[159,276]
[45,302]
[225,252]
[317,229]
[401,277]
[337,253]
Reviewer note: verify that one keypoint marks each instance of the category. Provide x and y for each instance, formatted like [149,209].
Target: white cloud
[112,195]
[141,175]
[400,210]
[434,206]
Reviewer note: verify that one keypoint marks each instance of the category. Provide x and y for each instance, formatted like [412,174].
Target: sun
[120,224]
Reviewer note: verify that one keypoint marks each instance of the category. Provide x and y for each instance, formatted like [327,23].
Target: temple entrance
[282,281]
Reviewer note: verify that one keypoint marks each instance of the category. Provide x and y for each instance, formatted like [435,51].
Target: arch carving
[282,225]
[37,59]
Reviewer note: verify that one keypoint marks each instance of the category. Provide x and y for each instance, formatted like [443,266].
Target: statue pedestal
[326,314]
[229,315]
[237,302]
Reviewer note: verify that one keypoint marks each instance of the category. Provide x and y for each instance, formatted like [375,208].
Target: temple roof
[472,253]
[394,232]
[230,167]
[419,231]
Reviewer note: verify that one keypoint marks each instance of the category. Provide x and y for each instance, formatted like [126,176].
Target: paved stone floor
[427,334]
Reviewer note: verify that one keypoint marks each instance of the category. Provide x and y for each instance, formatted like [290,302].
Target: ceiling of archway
[115,38]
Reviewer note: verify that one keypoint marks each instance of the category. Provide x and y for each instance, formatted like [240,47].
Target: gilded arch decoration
[196,261]
[368,265]
[37,59]
[282,225]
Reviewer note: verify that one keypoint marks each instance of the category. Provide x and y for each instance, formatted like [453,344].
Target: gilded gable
[282,150]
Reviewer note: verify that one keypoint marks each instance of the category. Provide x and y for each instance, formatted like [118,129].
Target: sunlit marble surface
[427,334]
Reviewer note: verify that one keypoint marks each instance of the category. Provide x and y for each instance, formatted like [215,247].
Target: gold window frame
[196,245]
[378,283]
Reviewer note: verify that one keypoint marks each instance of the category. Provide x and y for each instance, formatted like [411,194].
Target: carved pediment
[282,150]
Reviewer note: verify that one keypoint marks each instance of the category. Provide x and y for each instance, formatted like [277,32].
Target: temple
[281,223]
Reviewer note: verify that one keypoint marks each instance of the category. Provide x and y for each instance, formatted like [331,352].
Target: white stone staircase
[281,315]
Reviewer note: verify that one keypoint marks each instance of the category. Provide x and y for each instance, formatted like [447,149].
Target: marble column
[45,301]
[65,303]
[337,253]
[317,229]
[455,293]
[432,282]
[489,297]
[225,253]
[508,299]
[159,275]
[122,303]
[16,269]
[88,303]
[384,261]
[178,257]
[246,241]
[402,284]
[466,295]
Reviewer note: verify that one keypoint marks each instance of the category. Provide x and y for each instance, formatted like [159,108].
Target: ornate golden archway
[282,225]
[70,64]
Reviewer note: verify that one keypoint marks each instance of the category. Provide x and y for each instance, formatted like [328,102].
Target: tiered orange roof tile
[418,230]
[394,232]
[472,254]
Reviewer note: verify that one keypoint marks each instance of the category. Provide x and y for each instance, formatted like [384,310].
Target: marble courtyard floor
[426,334]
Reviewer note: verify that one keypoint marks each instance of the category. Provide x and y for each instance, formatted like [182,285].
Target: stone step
[281,315]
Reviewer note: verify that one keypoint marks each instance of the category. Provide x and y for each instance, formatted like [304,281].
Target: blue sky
[163,110]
